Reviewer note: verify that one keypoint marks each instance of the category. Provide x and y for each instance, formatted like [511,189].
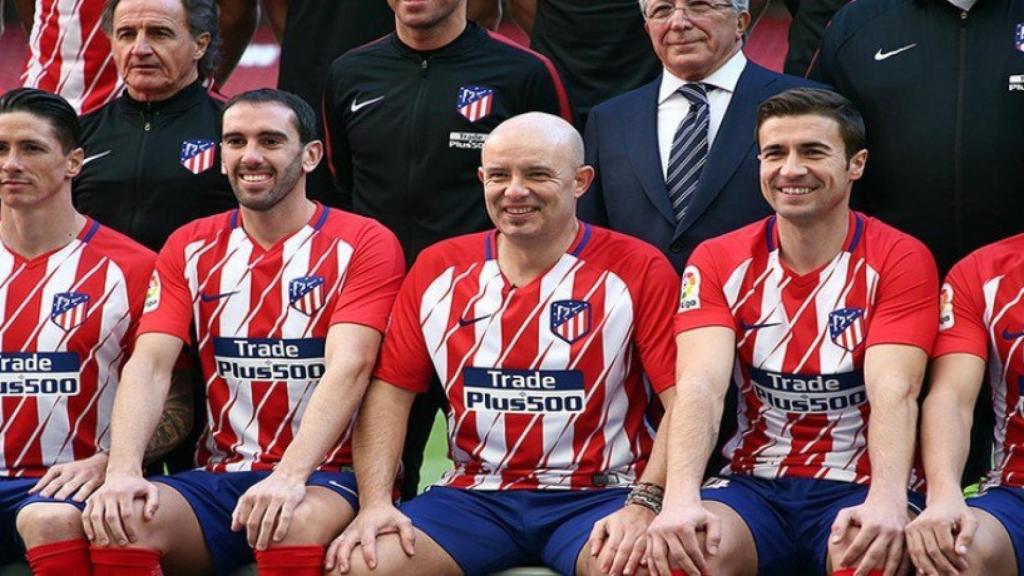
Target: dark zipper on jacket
[147,127]
[958,216]
[406,234]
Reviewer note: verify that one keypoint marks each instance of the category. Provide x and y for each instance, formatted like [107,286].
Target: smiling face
[34,168]
[693,48]
[154,49]
[805,174]
[262,154]
[531,180]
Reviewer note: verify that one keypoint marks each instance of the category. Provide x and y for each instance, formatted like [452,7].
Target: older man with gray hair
[675,159]
[151,160]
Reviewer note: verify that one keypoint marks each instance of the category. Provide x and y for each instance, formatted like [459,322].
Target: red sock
[111,561]
[291,561]
[60,558]
[850,571]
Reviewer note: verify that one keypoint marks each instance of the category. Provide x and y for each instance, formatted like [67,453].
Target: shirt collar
[724,78]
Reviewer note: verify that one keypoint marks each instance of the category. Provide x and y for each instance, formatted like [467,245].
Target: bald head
[533,173]
[543,130]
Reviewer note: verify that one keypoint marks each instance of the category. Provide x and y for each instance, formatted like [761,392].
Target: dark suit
[629,193]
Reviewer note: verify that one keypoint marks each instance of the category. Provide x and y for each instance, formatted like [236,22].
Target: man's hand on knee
[370,523]
[75,480]
[878,543]
[938,539]
[619,540]
[673,540]
[110,517]
[266,509]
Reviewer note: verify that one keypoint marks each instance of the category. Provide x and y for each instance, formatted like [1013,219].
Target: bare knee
[836,550]
[320,517]
[48,522]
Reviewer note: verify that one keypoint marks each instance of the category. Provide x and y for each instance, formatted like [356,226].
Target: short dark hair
[305,118]
[819,102]
[202,17]
[56,110]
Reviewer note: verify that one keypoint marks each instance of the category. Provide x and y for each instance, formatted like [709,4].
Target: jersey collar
[853,233]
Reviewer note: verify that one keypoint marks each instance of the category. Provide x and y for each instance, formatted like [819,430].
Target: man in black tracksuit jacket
[942,93]
[135,179]
[941,86]
[405,118]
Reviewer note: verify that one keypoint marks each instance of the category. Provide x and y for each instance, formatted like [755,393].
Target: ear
[480,174]
[584,176]
[742,23]
[76,160]
[855,167]
[312,153]
[202,44]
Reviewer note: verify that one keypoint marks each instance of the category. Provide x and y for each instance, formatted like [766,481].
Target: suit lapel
[640,126]
[733,141]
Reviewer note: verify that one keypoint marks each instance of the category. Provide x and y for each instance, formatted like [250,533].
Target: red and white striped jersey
[800,340]
[982,313]
[261,320]
[545,380]
[69,54]
[67,323]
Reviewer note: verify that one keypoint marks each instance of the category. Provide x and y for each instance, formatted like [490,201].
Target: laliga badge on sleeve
[689,292]
[152,293]
[946,318]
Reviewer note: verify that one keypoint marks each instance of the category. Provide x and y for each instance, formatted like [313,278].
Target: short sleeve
[653,335]
[906,301]
[404,360]
[701,298]
[168,305]
[962,312]
[371,281]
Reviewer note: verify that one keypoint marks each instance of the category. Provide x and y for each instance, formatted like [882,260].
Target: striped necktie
[689,149]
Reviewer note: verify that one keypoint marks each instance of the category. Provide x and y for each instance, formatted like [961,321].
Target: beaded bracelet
[647,495]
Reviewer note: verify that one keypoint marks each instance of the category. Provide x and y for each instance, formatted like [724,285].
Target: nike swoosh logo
[879,56]
[95,157]
[463,322]
[1007,335]
[214,297]
[747,327]
[356,107]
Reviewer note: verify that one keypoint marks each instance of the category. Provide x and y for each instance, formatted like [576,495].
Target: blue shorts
[213,496]
[790,518]
[490,531]
[13,497]
[1007,506]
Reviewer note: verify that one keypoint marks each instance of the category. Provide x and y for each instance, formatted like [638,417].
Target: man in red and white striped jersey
[981,325]
[71,292]
[287,300]
[823,318]
[540,332]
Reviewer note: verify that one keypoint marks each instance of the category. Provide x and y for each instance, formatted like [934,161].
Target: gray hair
[738,5]
[201,16]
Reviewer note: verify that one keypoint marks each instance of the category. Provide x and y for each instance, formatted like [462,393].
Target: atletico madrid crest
[306,294]
[474,102]
[197,155]
[846,327]
[1018,36]
[570,319]
[69,309]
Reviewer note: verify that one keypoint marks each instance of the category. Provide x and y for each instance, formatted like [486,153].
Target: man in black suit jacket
[629,138]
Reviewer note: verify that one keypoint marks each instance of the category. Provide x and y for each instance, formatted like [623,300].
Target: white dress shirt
[673,106]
